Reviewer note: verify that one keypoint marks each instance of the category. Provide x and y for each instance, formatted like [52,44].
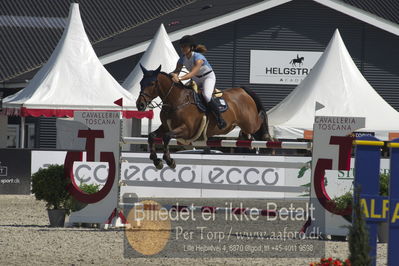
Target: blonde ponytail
[200,48]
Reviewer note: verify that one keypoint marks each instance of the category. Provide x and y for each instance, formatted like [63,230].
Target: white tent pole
[22,139]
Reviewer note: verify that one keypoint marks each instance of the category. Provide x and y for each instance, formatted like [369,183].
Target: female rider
[200,71]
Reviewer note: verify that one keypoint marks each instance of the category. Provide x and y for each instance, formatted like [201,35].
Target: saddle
[199,99]
[201,105]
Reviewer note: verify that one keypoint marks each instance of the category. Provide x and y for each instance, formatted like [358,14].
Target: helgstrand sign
[281,67]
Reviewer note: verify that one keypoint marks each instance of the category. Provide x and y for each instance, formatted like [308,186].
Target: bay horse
[182,119]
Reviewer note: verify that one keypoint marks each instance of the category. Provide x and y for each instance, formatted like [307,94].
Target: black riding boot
[212,105]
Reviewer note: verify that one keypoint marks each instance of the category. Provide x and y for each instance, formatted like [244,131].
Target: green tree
[359,236]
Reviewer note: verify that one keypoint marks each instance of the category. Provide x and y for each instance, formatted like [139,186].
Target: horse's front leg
[166,154]
[175,133]
[151,144]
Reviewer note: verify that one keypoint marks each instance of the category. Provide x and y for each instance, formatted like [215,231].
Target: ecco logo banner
[97,173]
[210,174]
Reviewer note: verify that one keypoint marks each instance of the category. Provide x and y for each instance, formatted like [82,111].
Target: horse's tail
[263,132]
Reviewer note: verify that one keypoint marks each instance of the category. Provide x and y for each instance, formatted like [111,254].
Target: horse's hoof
[158,164]
[171,163]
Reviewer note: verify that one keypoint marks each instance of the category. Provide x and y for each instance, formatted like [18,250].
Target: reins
[164,102]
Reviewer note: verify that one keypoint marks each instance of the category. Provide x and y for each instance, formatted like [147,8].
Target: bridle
[145,96]
[150,103]
[163,102]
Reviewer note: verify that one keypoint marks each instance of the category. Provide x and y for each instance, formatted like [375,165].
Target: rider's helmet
[187,40]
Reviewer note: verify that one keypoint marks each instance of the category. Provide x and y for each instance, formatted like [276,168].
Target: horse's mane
[164,73]
[181,85]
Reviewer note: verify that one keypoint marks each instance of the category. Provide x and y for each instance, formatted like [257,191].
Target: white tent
[160,52]
[72,79]
[336,83]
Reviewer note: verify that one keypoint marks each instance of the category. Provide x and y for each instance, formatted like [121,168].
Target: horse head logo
[298,60]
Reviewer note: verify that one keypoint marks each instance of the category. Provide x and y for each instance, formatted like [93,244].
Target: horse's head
[149,85]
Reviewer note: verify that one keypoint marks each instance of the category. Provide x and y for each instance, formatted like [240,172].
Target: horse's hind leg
[243,136]
[153,153]
[263,132]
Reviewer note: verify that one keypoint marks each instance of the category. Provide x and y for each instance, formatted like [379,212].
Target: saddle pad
[199,101]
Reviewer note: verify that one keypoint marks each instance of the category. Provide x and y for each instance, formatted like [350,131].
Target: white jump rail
[229,162]
[228,143]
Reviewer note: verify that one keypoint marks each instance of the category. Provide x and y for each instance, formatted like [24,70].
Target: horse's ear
[158,69]
[143,68]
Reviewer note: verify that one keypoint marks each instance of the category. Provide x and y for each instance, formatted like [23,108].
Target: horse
[298,60]
[182,119]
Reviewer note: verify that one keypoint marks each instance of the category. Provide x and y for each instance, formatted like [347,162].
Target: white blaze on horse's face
[148,87]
